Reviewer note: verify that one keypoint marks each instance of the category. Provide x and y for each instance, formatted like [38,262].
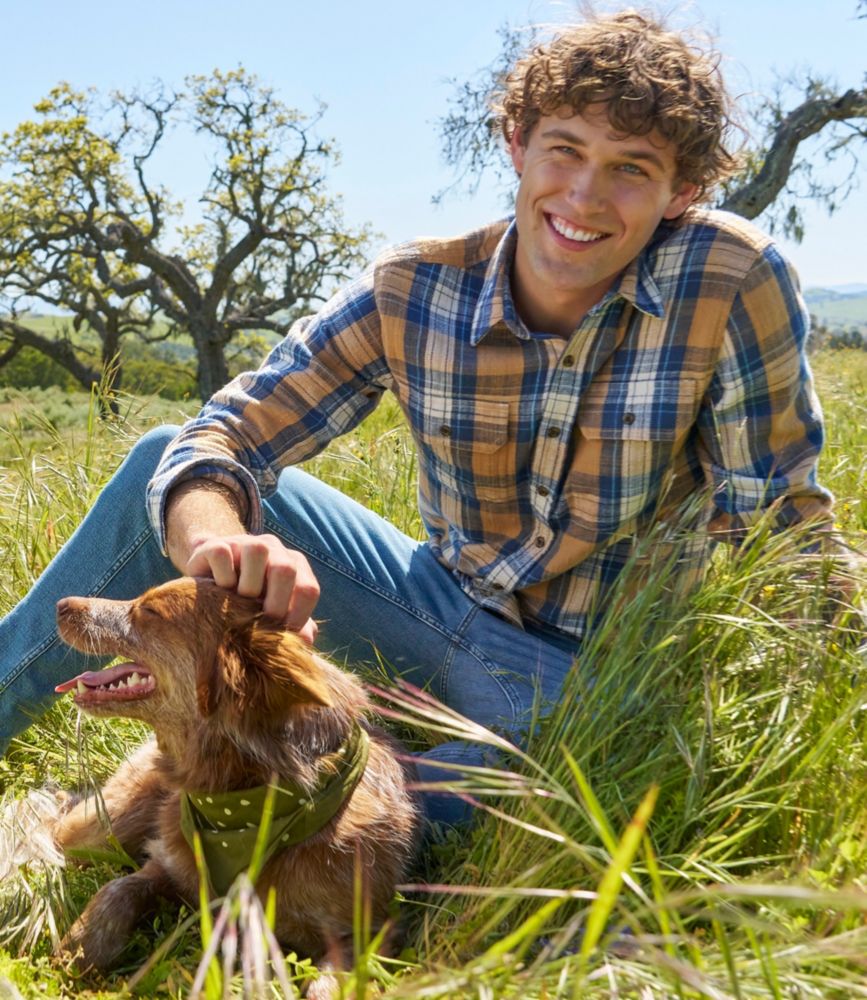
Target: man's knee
[151,445]
[144,456]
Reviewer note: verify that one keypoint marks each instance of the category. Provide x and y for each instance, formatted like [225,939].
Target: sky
[384,67]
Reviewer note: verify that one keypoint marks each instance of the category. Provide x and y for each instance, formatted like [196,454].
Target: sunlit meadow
[690,820]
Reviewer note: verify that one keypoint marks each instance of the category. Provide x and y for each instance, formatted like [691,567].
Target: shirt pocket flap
[638,409]
[456,425]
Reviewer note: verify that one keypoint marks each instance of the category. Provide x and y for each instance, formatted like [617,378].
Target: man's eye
[634,169]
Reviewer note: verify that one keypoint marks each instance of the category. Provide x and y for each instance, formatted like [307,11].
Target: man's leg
[112,554]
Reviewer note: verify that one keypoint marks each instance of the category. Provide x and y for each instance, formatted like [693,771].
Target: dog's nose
[67,605]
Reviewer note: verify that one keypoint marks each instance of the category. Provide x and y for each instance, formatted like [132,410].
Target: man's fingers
[278,593]
[261,565]
[216,559]
[253,558]
[292,590]
[309,631]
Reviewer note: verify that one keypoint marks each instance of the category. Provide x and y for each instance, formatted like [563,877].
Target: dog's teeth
[134,680]
[81,687]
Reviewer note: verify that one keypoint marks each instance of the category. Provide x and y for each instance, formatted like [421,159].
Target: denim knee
[151,445]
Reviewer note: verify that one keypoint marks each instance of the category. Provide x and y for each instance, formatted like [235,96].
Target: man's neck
[559,319]
[558,315]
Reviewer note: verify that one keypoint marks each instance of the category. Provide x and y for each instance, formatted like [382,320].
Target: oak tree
[85,222]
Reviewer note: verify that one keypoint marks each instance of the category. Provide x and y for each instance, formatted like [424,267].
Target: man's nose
[588,188]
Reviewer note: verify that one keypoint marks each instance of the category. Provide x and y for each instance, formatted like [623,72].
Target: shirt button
[628,418]
[553,432]
[543,491]
[568,361]
[446,431]
[540,542]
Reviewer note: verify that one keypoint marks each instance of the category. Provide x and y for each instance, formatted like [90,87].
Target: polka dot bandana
[228,822]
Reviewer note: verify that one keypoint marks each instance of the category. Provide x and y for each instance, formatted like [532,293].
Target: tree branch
[808,119]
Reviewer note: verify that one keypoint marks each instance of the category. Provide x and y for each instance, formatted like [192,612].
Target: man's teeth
[571,233]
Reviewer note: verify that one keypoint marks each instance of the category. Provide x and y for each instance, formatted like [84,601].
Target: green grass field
[694,825]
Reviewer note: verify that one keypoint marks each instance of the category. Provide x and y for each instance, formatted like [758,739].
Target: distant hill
[839,305]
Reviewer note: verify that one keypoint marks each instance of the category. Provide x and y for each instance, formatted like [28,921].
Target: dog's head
[192,647]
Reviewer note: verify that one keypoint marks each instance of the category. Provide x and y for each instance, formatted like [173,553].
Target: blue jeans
[381,593]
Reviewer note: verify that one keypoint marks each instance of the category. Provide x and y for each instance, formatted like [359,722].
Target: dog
[236,704]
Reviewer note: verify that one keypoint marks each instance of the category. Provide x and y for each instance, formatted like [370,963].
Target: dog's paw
[27,829]
[324,987]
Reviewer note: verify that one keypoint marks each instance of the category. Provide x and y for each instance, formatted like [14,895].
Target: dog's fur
[234,701]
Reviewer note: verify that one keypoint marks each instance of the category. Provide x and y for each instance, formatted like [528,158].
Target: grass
[692,824]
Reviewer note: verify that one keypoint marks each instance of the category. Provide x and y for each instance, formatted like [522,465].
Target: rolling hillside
[841,306]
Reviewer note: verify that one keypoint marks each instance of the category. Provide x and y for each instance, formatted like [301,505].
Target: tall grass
[689,820]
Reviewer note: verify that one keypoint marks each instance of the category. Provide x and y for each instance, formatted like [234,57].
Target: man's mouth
[575,233]
[125,682]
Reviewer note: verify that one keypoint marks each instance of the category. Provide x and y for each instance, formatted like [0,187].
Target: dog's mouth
[125,682]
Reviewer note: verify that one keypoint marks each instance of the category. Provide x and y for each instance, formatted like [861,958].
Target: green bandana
[228,822]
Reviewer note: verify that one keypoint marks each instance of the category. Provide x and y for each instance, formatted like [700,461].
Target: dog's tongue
[97,678]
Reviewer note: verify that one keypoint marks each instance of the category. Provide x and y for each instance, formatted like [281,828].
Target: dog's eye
[148,611]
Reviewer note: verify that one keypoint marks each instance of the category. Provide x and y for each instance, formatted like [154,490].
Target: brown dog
[233,701]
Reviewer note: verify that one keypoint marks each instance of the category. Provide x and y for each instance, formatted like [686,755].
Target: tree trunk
[212,370]
[112,369]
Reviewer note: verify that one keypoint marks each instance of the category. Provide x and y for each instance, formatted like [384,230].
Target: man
[570,377]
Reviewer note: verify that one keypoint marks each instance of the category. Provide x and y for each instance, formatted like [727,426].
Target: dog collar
[228,822]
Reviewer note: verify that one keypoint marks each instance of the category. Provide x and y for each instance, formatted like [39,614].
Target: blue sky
[383,66]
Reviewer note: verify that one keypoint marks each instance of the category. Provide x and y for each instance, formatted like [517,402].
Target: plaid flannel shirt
[544,461]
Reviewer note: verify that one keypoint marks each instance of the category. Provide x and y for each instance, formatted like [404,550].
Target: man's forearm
[197,508]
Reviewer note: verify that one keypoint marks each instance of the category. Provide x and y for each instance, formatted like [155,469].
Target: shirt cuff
[229,474]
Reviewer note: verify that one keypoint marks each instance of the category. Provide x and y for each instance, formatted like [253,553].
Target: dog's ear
[262,669]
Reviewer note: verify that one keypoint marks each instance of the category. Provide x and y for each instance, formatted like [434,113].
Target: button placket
[559,413]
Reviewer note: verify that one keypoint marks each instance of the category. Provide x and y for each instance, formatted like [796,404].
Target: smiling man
[570,377]
[589,201]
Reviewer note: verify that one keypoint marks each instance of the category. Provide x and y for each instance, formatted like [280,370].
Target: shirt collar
[496,306]
[637,284]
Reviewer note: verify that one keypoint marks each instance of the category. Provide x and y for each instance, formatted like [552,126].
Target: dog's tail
[26,830]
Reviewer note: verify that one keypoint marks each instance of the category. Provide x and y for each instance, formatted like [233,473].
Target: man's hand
[261,566]
[206,537]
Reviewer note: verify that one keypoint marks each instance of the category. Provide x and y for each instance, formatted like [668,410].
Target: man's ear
[517,150]
[684,195]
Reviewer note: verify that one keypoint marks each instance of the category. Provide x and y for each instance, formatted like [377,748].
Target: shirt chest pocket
[644,410]
[465,447]
[628,436]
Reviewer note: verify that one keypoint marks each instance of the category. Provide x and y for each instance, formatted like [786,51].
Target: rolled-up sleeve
[761,424]
[319,382]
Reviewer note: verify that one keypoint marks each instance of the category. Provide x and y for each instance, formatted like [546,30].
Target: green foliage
[741,874]
[86,229]
[33,369]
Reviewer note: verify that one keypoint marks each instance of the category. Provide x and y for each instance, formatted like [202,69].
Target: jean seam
[493,671]
[52,640]
[456,638]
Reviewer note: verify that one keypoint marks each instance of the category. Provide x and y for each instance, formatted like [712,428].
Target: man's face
[588,201]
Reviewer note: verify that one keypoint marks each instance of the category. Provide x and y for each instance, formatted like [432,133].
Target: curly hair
[648,78]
